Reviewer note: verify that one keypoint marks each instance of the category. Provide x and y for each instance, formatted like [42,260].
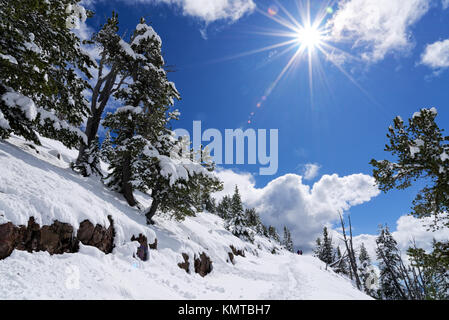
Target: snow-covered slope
[40,184]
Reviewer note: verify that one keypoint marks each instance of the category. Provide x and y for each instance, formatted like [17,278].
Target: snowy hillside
[37,181]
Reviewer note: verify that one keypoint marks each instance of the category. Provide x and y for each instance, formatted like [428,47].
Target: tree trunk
[127,189]
[150,213]
[93,122]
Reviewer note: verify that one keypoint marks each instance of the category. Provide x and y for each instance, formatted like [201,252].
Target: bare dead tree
[350,251]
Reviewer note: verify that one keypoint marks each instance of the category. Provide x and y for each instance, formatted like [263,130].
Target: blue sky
[343,126]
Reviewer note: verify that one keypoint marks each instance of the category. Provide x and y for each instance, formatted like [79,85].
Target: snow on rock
[42,185]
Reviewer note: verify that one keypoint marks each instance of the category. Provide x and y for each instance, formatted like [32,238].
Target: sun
[309,37]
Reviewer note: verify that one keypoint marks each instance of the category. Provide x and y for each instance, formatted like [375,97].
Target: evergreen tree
[116,65]
[432,271]
[106,148]
[391,278]
[273,234]
[146,156]
[421,151]
[254,221]
[224,208]
[40,59]
[238,223]
[366,271]
[341,263]
[287,241]
[318,247]
[326,250]
[91,164]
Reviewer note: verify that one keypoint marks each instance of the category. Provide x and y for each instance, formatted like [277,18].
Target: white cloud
[445,4]
[210,11]
[303,209]
[408,229]
[311,171]
[436,55]
[377,27]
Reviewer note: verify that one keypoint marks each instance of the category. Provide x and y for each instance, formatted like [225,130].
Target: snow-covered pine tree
[143,118]
[106,147]
[421,151]
[341,264]
[391,279]
[287,241]
[146,156]
[238,223]
[366,271]
[273,234]
[40,89]
[326,250]
[254,221]
[91,164]
[224,208]
[115,66]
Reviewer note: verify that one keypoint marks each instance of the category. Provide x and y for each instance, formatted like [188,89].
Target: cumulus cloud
[303,209]
[311,171]
[210,11]
[436,55]
[377,27]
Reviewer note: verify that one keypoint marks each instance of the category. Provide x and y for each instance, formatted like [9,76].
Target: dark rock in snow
[186,264]
[97,236]
[8,239]
[203,265]
[231,257]
[153,246]
[142,251]
[237,252]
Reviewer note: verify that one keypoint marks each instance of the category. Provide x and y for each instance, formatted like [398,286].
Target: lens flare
[273,10]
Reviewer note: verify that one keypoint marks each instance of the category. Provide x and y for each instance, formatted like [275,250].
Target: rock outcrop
[97,236]
[57,238]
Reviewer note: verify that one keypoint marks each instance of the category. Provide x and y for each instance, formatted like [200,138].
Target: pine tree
[224,208]
[40,59]
[366,271]
[254,221]
[116,65]
[391,279]
[287,241]
[91,164]
[326,250]
[432,270]
[422,152]
[238,223]
[341,263]
[146,156]
[106,147]
[273,234]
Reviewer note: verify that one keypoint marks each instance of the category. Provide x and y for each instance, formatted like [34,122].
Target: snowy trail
[41,184]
